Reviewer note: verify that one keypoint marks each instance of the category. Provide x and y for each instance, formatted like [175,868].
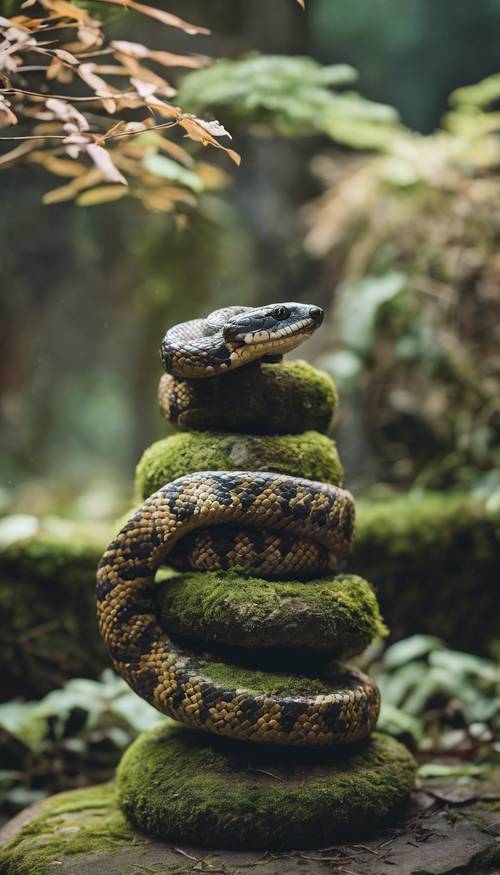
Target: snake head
[273,329]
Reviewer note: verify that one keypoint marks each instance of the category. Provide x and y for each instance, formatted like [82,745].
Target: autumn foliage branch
[109,130]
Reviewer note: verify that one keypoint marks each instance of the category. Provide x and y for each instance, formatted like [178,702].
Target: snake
[345,704]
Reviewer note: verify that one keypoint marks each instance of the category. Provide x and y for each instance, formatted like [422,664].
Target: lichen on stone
[335,615]
[311,455]
[259,399]
[177,783]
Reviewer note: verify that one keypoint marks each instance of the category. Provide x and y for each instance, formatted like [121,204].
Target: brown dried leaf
[102,160]
[73,188]
[7,117]
[58,166]
[66,56]
[141,75]
[59,71]
[101,195]
[98,85]
[160,15]
[167,59]
[199,133]
[64,111]
[64,9]
[18,152]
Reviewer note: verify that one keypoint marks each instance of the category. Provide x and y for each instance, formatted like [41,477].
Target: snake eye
[280,313]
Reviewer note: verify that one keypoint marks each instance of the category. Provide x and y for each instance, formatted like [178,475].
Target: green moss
[431,558]
[311,455]
[181,785]
[337,615]
[68,825]
[259,399]
[47,614]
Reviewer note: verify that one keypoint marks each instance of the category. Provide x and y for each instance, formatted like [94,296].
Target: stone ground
[447,828]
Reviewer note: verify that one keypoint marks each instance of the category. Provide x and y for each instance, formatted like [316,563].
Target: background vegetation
[88,292]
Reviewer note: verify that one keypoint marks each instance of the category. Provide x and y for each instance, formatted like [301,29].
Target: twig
[189,856]
[263,772]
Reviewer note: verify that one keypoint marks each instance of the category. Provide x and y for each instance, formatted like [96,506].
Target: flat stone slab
[83,833]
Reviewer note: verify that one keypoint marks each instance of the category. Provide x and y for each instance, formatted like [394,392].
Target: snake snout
[317,314]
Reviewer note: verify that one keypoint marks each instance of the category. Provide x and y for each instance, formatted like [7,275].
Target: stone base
[445,827]
[180,785]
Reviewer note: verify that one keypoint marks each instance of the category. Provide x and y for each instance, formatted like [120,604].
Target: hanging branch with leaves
[81,132]
[109,130]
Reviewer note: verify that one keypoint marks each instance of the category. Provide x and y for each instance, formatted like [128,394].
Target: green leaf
[167,168]
[482,94]
[398,685]
[395,722]
[441,770]
[415,647]
[359,306]
[136,712]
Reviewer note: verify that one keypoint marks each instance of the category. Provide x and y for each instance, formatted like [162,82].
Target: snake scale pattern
[305,523]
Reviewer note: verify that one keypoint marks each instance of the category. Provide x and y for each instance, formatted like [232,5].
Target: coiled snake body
[318,515]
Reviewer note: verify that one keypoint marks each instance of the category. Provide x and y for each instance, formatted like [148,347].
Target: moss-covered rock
[258,399]
[47,614]
[434,562]
[84,833]
[337,615]
[180,785]
[311,455]
[68,825]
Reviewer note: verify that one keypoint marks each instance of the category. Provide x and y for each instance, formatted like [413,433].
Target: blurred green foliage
[88,293]
[440,700]
[294,95]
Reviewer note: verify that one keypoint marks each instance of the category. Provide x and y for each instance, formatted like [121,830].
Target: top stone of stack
[284,398]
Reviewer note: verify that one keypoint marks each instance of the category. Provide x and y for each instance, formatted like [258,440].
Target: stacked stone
[273,637]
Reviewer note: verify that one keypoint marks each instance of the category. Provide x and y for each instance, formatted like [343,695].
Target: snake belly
[170,677]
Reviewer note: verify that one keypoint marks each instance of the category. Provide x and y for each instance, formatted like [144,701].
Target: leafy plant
[73,734]
[418,364]
[295,95]
[443,700]
[86,133]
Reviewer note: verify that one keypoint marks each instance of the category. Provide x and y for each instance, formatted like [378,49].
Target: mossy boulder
[311,455]
[180,785]
[433,560]
[68,825]
[336,615]
[283,398]
[47,614]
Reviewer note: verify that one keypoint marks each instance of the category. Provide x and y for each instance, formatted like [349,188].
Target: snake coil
[310,521]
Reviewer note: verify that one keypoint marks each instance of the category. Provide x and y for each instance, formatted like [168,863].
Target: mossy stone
[68,825]
[337,615]
[180,785]
[311,455]
[47,613]
[283,398]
